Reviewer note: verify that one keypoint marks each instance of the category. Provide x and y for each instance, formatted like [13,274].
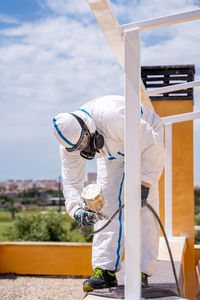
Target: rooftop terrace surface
[15,287]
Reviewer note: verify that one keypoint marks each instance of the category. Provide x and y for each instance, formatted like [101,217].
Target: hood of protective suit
[67,129]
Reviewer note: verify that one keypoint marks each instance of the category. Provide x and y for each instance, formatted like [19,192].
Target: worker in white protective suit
[97,130]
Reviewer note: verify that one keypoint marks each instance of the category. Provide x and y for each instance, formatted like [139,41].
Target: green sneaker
[100,279]
[144,280]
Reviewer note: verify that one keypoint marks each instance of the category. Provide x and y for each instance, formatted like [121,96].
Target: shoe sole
[88,288]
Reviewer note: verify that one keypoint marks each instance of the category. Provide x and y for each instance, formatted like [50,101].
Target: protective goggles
[84,140]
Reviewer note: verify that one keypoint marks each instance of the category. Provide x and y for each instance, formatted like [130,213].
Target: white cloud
[134,10]
[55,65]
[7,19]
[58,63]
[67,7]
[182,48]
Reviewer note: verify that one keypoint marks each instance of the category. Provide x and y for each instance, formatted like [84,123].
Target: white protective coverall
[108,115]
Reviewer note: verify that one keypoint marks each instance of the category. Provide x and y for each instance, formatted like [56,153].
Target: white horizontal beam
[163,21]
[181,117]
[174,87]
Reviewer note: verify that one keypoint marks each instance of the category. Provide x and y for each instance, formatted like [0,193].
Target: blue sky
[54,57]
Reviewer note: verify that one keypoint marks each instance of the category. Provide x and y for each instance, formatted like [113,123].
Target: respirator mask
[87,145]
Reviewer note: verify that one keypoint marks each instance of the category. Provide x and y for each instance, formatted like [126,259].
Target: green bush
[197,237]
[197,222]
[74,227]
[38,227]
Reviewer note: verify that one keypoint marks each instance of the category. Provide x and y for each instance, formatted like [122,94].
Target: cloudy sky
[54,57]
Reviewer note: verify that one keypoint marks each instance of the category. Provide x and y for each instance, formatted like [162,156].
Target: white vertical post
[132,166]
[168,179]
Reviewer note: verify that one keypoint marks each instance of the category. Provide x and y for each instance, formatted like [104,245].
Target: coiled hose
[168,246]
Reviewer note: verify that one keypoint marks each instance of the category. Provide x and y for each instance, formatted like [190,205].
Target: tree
[197,200]
[52,192]
[8,202]
[38,201]
[7,198]
[30,193]
[26,202]
[13,210]
[197,216]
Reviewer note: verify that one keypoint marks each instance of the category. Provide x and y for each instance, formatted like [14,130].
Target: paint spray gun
[94,201]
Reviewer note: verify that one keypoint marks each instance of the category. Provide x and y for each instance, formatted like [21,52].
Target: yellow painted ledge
[46,258]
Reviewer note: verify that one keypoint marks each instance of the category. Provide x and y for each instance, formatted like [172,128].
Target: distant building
[16,186]
[55,201]
[22,185]
[91,178]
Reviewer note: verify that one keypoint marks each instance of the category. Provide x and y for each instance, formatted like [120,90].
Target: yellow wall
[183,187]
[44,258]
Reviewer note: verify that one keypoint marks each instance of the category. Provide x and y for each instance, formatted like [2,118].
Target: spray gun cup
[93,198]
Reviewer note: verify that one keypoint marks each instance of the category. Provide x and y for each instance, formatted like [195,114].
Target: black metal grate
[161,76]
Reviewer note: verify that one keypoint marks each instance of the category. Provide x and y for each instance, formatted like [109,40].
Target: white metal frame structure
[125,43]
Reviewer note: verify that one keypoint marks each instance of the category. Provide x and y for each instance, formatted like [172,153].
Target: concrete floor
[14,287]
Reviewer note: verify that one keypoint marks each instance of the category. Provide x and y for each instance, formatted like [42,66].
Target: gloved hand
[85,217]
[144,194]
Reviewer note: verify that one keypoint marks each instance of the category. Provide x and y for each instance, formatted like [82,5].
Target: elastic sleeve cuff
[72,211]
[148,179]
